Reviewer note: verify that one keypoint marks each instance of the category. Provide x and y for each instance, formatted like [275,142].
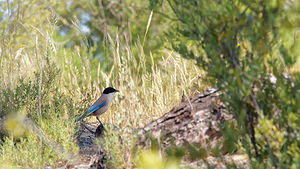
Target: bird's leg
[99,121]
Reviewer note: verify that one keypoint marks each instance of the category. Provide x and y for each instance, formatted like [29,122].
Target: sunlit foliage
[249,50]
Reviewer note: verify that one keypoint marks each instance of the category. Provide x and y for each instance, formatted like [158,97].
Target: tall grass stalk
[60,83]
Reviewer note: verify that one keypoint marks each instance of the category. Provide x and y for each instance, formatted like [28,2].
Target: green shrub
[243,45]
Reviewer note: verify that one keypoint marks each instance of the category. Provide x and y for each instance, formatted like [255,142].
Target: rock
[92,156]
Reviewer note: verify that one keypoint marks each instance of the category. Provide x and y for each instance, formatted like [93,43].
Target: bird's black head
[109,90]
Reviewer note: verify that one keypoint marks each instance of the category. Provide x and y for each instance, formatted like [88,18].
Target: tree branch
[175,12]
[252,132]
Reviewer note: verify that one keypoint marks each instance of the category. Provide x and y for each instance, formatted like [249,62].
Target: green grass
[48,79]
[52,85]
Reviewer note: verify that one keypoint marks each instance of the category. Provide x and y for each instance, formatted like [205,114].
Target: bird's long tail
[92,109]
[81,117]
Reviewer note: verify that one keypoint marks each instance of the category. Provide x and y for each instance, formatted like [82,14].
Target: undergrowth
[61,83]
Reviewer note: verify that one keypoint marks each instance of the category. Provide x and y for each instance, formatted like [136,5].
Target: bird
[101,105]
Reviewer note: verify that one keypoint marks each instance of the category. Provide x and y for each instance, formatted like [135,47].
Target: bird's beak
[117,91]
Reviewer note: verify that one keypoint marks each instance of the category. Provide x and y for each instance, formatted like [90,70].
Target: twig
[256,106]
[87,128]
[274,162]
[174,10]
[39,93]
[231,54]
[236,54]
[165,15]
[252,132]
[183,96]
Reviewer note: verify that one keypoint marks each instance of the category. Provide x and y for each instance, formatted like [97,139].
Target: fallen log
[194,121]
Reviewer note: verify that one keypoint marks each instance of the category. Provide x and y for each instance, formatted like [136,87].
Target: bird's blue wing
[92,109]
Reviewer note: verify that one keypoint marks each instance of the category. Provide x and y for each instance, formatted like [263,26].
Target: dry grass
[62,82]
